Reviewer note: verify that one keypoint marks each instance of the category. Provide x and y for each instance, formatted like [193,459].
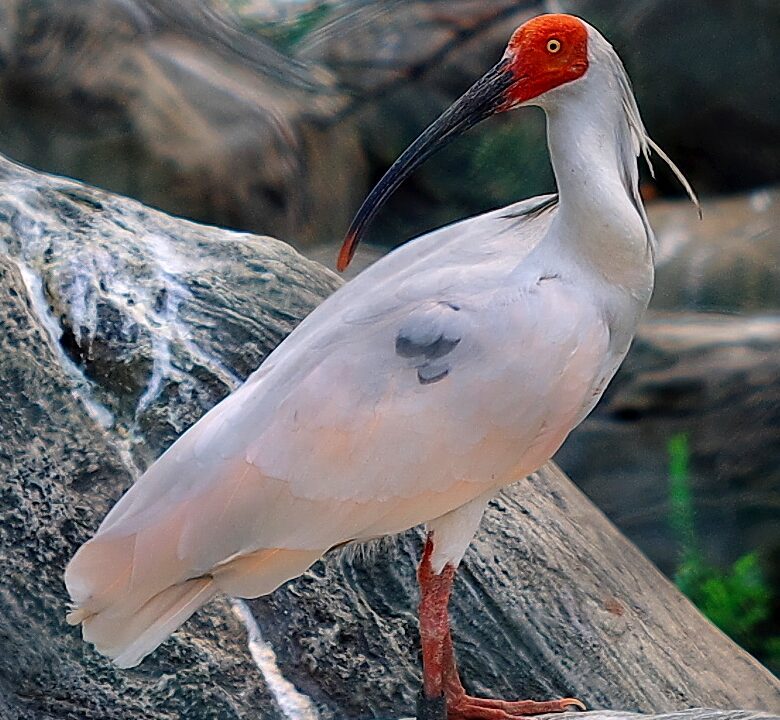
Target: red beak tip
[346,253]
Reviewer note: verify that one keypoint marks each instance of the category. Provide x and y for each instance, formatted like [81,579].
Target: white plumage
[449,369]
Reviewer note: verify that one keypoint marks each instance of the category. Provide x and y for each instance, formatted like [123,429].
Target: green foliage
[738,599]
[680,496]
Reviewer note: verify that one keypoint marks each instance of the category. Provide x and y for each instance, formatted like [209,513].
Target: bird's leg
[435,623]
[443,696]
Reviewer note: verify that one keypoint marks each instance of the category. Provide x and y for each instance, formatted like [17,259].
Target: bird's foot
[466,707]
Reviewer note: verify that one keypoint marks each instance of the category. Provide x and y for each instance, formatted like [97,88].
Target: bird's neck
[599,219]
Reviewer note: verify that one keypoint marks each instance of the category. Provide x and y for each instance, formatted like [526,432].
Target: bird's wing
[380,423]
[399,399]
[414,283]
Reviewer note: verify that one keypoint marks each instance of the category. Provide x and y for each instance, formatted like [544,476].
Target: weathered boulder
[60,472]
[690,714]
[172,103]
[161,317]
[120,326]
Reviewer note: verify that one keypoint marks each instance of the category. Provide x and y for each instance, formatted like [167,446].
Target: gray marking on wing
[428,337]
[408,347]
[428,375]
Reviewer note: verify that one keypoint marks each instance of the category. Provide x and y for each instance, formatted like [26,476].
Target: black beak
[484,98]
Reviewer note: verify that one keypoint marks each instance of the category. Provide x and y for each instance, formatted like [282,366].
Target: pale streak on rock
[294,705]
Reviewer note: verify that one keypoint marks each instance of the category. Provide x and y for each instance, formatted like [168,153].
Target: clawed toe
[467,707]
[568,704]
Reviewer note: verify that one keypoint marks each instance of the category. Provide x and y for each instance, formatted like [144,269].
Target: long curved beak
[484,98]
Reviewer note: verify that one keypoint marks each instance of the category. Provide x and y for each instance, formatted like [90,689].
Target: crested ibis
[452,367]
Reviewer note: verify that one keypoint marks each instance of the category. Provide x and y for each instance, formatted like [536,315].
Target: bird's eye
[553,45]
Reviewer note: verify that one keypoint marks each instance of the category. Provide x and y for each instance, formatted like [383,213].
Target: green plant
[680,497]
[738,599]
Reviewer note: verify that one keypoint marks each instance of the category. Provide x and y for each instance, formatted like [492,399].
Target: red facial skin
[535,66]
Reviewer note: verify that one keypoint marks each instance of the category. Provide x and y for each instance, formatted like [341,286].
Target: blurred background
[276,116]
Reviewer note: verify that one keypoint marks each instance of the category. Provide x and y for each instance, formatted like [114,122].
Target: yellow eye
[553,45]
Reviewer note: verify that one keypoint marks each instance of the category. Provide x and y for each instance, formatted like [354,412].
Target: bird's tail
[128,635]
[131,592]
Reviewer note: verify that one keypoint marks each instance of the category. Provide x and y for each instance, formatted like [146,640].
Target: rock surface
[60,472]
[156,318]
[120,327]
[172,103]
[729,261]
[691,714]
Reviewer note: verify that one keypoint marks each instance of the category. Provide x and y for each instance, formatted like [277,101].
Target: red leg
[434,622]
[440,672]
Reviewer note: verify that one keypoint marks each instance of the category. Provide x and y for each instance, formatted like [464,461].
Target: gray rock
[161,317]
[729,261]
[61,471]
[692,714]
[120,327]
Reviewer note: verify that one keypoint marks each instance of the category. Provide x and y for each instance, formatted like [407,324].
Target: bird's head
[543,54]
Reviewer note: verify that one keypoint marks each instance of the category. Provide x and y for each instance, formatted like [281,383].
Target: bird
[452,367]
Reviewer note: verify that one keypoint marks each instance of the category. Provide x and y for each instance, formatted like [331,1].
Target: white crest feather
[639,142]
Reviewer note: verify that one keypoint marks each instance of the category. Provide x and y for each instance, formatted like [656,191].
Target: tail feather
[127,614]
[127,639]
[133,584]
[159,618]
